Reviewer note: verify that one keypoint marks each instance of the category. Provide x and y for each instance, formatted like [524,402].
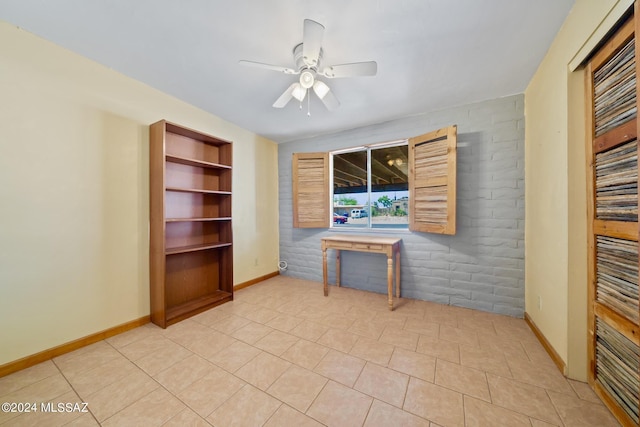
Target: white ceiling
[431,54]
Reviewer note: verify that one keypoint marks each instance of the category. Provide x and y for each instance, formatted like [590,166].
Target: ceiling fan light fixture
[307,79]
[299,93]
[321,89]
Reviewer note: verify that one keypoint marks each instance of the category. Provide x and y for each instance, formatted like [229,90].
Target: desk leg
[398,273]
[338,267]
[324,271]
[390,280]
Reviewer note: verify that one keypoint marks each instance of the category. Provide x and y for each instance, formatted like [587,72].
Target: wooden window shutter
[432,181]
[311,205]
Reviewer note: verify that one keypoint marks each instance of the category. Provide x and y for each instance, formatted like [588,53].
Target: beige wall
[555,228]
[74,194]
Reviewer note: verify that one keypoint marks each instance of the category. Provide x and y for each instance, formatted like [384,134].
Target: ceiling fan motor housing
[299,59]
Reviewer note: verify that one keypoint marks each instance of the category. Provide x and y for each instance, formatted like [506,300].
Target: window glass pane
[390,187]
[350,198]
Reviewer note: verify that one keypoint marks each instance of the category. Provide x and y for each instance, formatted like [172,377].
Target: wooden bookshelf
[183,311]
[191,245]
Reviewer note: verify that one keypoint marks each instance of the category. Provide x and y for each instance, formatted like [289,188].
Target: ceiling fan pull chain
[308,104]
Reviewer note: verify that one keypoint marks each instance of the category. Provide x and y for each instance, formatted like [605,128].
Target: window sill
[377,230]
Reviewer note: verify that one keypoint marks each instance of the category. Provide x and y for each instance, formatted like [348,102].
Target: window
[370,186]
[395,185]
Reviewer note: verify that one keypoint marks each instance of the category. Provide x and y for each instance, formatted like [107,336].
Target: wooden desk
[360,243]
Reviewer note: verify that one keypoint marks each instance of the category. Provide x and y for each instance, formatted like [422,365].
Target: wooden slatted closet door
[612,155]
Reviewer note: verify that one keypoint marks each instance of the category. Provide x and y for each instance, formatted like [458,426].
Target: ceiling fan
[308,64]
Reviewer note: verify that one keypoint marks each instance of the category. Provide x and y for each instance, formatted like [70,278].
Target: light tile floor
[282,354]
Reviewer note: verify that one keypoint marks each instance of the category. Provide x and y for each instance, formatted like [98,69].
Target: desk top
[359,238]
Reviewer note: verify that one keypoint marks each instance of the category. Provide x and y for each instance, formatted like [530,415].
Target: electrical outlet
[255,262]
[539,303]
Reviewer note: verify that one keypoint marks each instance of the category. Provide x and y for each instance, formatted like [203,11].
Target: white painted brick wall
[482,266]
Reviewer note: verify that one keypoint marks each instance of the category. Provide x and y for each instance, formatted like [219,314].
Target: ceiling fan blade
[356,69]
[268,67]
[330,101]
[326,96]
[312,42]
[287,95]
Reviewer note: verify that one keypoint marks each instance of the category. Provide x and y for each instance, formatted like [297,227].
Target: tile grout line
[555,408]
[314,400]
[160,385]
[373,399]
[141,397]
[464,412]
[75,391]
[213,363]
[169,391]
[406,388]
[246,383]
